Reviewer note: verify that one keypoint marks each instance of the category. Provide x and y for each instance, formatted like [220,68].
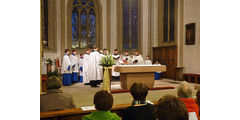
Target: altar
[138,73]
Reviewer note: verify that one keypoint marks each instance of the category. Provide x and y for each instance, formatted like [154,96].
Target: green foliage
[107,60]
[55,73]
[50,61]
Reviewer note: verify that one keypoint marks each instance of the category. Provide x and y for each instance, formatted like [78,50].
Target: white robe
[139,58]
[159,65]
[66,62]
[85,68]
[98,67]
[80,64]
[74,61]
[115,74]
[130,61]
[147,62]
[126,57]
[92,69]
[115,56]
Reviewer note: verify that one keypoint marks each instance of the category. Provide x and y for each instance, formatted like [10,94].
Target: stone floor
[83,94]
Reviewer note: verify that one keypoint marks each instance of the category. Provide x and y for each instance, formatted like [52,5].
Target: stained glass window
[130,24]
[83,24]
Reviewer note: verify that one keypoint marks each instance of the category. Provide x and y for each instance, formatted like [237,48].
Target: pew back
[78,113]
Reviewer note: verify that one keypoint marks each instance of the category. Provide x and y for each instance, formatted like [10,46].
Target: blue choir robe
[80,64]
[157,74]
[75,68]
[66,70]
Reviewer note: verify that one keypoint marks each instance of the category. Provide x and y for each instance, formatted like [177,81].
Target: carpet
[155,88]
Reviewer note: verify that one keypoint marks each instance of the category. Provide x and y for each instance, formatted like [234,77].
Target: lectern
[138,73]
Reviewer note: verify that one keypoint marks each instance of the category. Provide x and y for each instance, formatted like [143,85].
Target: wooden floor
[83,94]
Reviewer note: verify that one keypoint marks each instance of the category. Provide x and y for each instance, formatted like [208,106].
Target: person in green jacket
[103,101]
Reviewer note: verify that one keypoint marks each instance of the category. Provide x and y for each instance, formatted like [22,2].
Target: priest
[86,67]
[99,69]
[66,69]
[92,69]
[74,64]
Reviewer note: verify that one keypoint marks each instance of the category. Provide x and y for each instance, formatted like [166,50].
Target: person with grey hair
[55,99]
[184,92]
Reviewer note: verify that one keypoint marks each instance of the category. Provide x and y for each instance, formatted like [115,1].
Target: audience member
[103,101]
[171,108]
[55,99]
[184,92]
[198,100]
[140,109]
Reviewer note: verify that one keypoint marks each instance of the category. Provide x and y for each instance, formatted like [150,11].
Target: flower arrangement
[50,61]
[107,60]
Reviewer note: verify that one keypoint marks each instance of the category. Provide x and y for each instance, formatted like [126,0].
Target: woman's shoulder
[115,116]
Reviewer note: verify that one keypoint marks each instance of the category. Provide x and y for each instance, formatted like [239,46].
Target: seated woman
[103,101]
[171,108]
[55,99]
[184,92]
[140,109]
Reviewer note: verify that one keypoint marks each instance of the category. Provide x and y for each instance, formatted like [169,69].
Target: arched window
[83,24]
[130,24]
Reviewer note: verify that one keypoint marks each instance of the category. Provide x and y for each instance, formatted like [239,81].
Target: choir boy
[126,57]
[157,74]
[115,54]
[66,69]
[147,61]
[81,68]
[74,64]
[137,59]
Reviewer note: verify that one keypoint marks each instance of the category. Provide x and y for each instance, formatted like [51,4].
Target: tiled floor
[83,95]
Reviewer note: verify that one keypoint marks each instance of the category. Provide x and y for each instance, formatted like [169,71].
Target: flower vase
[107,77]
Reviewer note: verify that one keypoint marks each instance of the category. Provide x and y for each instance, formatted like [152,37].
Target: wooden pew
[192,78]
[78,113]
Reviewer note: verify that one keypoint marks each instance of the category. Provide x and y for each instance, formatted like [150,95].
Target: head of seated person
[140,109]
[171,108]
[185,94]
[103,101]
[53,83]
[184,90]
[55,99]
[139,92]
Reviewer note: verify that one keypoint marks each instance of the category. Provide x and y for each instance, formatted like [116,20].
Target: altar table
[138,73]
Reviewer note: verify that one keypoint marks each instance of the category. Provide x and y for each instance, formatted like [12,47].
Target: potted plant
[107,62]
[49,65]
[54,73]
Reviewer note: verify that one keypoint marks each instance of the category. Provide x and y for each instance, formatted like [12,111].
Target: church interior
[167,31]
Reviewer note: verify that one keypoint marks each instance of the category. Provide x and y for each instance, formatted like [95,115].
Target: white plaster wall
[113,25]
[104,23]
[47,55]
[191,53]
[145,30]
[154,23]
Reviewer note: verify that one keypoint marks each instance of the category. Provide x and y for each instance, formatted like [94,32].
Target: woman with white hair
[184,92]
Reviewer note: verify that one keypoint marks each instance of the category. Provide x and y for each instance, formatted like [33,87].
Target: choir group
[86,69]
